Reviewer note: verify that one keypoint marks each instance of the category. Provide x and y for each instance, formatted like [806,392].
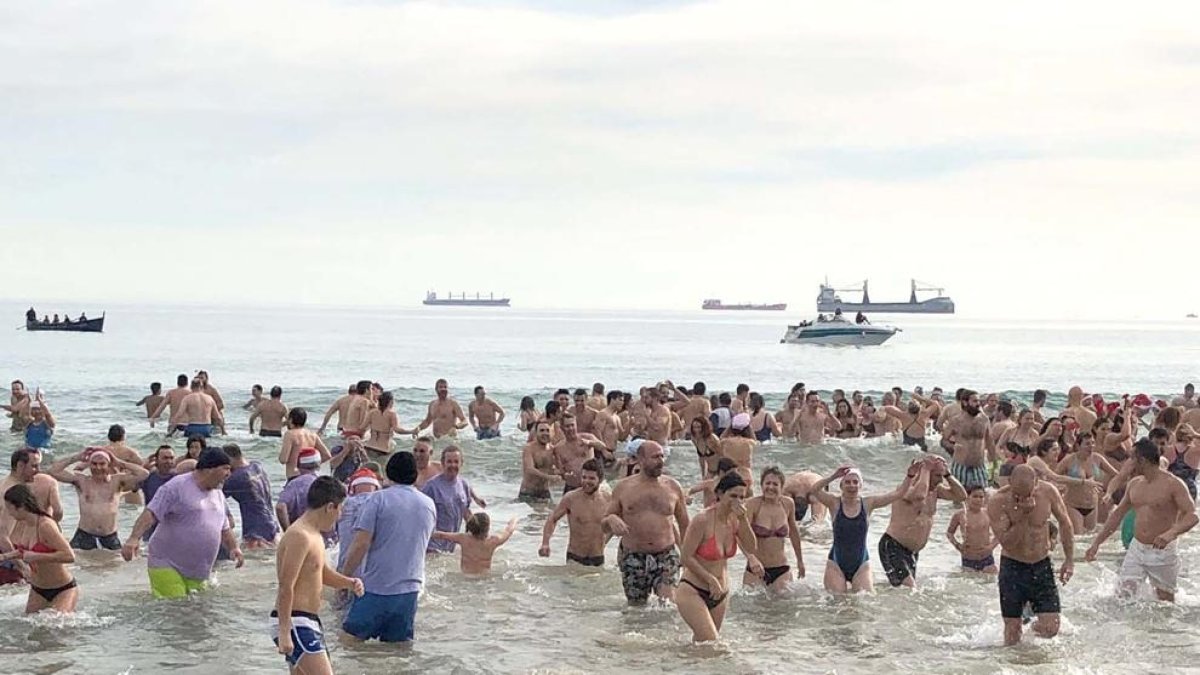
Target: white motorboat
[838,331]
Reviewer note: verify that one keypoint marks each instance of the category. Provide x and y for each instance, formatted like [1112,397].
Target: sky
[1035,159]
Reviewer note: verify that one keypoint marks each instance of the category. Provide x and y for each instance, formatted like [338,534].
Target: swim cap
[308,457]
[211,458]
[740,421]
[852,472]
[363,477]
[94,452]
[631,448]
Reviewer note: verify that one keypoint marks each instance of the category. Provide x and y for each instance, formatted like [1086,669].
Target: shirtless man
[99,495]
[118,449]
[949,412]
[297,438]
[968,433]
[648,511]
[152,402]
[693,405]
[302,570]
[1020,514]
[256,398]
[209,389]
[341,407]
[813,421]
[25,471]
[538,468]
[597,401]
[786,417]
[911,519]
[172,401]
[1039,401]
[741,399]
[445,415]
[1002,421]
[655,423]
[1163,510]
[270,414]
[18,406]
[485,415]
[585,510]
[426,468]
[198,411]
[573,450]
[585,417]
[607,425]
[1083,414]
[354,422]
[1188,400]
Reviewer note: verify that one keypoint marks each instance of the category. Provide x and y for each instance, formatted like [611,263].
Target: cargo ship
[830,301]
[463,300]
[717,304]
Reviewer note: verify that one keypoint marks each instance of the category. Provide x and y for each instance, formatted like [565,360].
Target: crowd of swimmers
[1018,478]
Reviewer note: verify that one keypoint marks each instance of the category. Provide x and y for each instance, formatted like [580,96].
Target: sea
[537,615]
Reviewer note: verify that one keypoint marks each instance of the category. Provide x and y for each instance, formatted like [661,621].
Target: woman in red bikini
[40,545]
[710,541]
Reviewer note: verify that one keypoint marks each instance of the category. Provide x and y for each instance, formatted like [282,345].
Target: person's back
[477,545]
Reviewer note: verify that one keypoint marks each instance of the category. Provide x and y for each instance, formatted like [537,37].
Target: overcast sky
[1031,158]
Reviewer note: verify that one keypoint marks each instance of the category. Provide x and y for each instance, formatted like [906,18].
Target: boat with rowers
[837,330]
[80,325]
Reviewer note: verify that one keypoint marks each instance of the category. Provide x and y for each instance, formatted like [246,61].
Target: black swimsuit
[49,594]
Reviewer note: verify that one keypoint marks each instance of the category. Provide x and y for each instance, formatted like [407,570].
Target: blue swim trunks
[484,433]
[307,635]
[387,617]
[203,430]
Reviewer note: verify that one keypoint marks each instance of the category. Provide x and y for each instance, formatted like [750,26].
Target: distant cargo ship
[463,300]
[829,301]
[717,304]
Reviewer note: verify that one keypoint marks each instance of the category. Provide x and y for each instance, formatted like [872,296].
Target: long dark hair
[22,497]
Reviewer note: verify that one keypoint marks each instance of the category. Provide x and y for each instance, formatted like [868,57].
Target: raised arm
[818,488]
[507,534]
[59,471]
[880,501]
[134,476]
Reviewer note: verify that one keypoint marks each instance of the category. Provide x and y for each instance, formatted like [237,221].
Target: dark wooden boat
[89,326]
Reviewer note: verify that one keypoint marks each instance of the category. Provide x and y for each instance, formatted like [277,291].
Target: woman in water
[1183,457]
[1018,442]
[848,568]
[43,553]
[914,419]
[528,417]
[1086,471]
[383,423]
[710,541]
[845,414]
[772,518]
[762,423]
[708,446]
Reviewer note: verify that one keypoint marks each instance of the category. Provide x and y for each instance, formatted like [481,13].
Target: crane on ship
[924,286]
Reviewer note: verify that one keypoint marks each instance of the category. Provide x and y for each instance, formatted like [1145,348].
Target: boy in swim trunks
[302,570]
[978,543]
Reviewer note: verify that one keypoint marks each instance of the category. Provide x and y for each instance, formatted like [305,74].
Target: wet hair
[967,394]
[699,389]
[1146,449]
[976,487]
[810,394]
[756,402]
[581,392]
[958,394]
[297,417]
[725,399]
[440,381]
[181,381]
[197,385]
[353,388]
[22,497]
[478,388]
[197,439]
[276,391]
[598,388]
[628,399]
[772,471]
[1040,395]
[449,449]
[914,408]
[478,525]
[613,395]
[552,408]
[402,468]
[743,388]
[725,465]
[705,426]
[116,433]
[1159,433]
[233,450]
[362,387]
[837,409]
[21,456]
[385,400]
[593,466]
[728,482]
[155,387]
[1045,445]
[325,490]
[1170,418]
[798,387]
[527,403]
[1005,408]
[562,392]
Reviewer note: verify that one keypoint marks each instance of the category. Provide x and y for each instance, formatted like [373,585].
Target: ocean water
[537,615]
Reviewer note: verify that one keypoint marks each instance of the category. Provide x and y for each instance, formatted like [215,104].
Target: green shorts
[166,582]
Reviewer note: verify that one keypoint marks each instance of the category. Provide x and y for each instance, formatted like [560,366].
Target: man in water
[173,401]
[1188,400]
[1039,401]
[597,400]
[948,413]
[302,571]
[445,415]
[451,495]
[1083,414]
[198,410]
[1020,514]
[256,398]
[363,484]
[912,518]
[1002,421]
[189,512]
[573,450]
[341,407]
[152,402]
[693,405]
[209,389]
[354,423]
[249,486]
[270,414]
[391,532]
[1164,510]
[655,422]
[585,417]
[426,469]
[813,421]
[741,401]
[25,467]
[292,498]
[41,425]
[298,438]
[18,406]
[649,512]
[585,510]
[607,425]
[118,448]
[967,433]
[537,466]
[485,415]
[786,417]
[99,495]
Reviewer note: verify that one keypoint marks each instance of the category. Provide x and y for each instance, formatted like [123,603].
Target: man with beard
[99,495]
[537,466]
[1020,514]
[967,433]
[585,509]
[648,511]
[912,518]
[1164,511]
[445,414]
[573,450]
[811,423]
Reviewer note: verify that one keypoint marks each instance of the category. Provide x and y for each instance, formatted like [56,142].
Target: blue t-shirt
[452,496]
[400,521]
[250,487]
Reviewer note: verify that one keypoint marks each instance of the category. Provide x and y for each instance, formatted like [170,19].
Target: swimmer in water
[978,544]
[478,546]
[40,552]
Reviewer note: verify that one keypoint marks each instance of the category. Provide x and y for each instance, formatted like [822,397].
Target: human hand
[1066,572]
[236,555]
[1090,554]
[285,643]
[799,569]
[754,565]
[716,589]
[544,551]
[841,471]
[357,587]
[129,550]
[1164,540]
[618,527]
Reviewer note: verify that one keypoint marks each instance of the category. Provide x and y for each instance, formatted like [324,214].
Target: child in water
[978,543]
[151,402]
[477,546]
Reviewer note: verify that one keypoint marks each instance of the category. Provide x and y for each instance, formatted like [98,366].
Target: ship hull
[934,306]
[89,326]
[466,303]
[857,336]
[748,308]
